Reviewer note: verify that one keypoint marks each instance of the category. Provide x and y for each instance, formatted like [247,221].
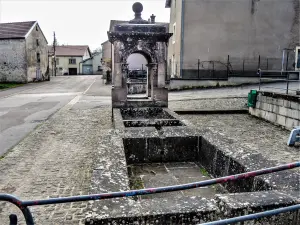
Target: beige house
[106,56]
[225,33]
[69,59]
[23,52]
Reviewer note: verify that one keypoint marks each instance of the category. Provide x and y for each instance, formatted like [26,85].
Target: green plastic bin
[252,98]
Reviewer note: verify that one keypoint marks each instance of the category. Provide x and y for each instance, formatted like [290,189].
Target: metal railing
[282,73]
[23,205]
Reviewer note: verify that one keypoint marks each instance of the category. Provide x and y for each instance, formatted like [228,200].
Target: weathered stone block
[280,120]
[270,117]
[178,149]
[291,123]
[269,100]
[275,101]
[295,105]
[258,105]
[287,103]
[264,98]
[275,109]
[207,154]
[280,102]
[267,107]
[135,150]
[292,113]
[282,111]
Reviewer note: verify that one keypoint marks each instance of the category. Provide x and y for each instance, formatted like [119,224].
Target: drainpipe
[182,36]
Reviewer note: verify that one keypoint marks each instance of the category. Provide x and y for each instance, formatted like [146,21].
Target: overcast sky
[78,22]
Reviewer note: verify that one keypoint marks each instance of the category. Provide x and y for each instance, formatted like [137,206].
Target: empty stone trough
[160,149]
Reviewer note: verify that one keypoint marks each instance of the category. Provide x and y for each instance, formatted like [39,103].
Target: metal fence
[23,205]
[226,67]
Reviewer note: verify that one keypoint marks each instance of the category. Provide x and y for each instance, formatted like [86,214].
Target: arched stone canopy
[151,58]
[150,40]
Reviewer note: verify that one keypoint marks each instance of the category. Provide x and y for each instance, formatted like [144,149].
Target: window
[72,61]
[38,57]
[37,42]
[36,28]
[174,33]
[57,61]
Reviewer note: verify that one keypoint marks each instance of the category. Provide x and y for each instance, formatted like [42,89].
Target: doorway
[72,71]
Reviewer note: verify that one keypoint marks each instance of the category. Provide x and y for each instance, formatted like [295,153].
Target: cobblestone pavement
[55,160]
[212,103]
[260,136]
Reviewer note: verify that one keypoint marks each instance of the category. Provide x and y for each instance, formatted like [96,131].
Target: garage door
[87,69]
[72,71]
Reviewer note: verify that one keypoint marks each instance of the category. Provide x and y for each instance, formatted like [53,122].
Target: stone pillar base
[118,96]
[160,95]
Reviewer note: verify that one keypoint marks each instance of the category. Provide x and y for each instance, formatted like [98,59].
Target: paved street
[24,108]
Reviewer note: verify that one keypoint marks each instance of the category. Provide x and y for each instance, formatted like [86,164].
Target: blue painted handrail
[255,216]
[23,205]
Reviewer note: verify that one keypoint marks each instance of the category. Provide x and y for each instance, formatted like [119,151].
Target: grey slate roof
[69,50]
[17,30]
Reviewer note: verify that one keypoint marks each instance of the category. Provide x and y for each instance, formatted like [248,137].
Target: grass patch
[9,85]
[204,172]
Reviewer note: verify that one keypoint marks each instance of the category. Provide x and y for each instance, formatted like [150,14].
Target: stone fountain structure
[149,39]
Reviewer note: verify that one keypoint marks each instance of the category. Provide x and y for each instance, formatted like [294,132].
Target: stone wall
[13,67]
[241,29]
[36,43]
[277,108]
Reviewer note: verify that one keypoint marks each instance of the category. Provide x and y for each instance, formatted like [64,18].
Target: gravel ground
[53,161]
[258,135]
[209,103]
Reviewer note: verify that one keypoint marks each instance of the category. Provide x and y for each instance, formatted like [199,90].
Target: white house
[69,58]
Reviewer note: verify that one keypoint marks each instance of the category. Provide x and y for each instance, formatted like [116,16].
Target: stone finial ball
[137,7]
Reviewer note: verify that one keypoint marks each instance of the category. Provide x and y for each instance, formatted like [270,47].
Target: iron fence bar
[149,191]
[287,82]
[19,203]
[255,216]
[260,72]
[22,205]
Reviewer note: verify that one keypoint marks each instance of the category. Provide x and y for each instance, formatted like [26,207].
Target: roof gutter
[182,37]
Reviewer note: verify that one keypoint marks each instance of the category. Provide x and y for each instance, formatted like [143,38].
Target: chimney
[152,18]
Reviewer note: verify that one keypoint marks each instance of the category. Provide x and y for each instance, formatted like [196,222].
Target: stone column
[124,67]
[119,90]
[117,76]
[149,78]
[161,74]
[152,74]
